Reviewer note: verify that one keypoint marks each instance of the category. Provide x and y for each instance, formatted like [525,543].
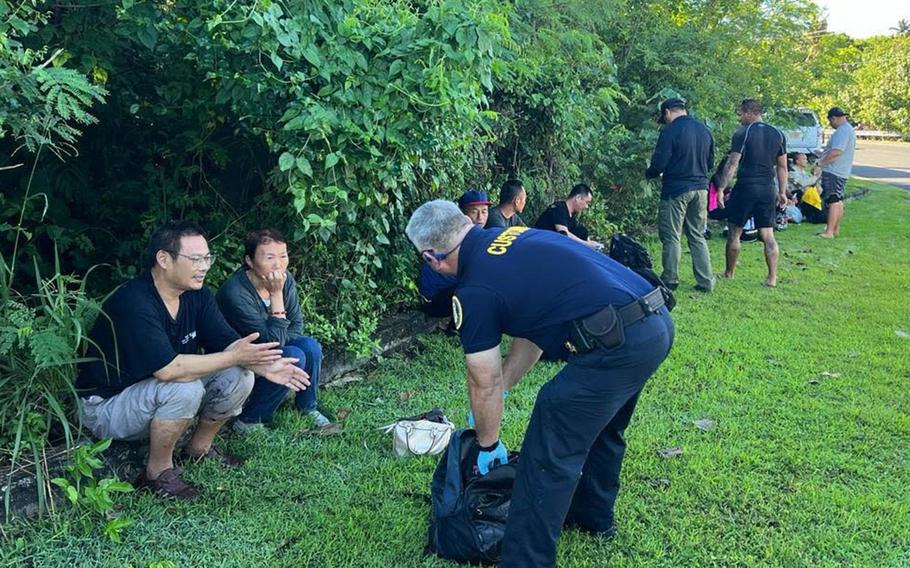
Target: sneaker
[242,428]
[319,419]
[169,485]
[213,453]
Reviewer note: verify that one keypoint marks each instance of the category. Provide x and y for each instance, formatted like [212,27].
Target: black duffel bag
[626,251]
[468,516]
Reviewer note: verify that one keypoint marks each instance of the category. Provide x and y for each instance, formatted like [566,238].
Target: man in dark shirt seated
[559,216]
[146,378]
[512,200]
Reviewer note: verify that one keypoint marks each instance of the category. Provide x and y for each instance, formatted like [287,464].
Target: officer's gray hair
[435,224]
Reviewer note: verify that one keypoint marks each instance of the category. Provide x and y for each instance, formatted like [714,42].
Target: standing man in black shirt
[758,152]
[146,378]
[560,216]
[683,156]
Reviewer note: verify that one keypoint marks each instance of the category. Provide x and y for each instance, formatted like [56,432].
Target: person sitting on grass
[261,297]
[144,377]
[560,216]
[476,205]
[801,176]
[512,200]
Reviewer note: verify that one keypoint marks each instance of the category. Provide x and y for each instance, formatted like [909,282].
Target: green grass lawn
[808,463]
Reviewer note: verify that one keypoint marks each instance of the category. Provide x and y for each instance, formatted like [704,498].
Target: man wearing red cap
[476,205]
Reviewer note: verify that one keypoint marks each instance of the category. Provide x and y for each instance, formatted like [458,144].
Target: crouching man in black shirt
[146,378]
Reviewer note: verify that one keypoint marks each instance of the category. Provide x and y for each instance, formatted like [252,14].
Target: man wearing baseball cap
[836,163]
[682,159]
[476,205]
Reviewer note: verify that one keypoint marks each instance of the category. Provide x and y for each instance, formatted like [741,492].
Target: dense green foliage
[44,102]
[868,78]
[806,464]
[332,121]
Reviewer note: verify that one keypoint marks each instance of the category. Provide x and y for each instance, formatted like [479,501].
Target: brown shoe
[169,485]
[213,453]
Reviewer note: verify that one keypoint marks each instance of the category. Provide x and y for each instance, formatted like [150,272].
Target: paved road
[886,162]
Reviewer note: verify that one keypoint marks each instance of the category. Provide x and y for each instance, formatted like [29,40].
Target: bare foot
[770,283]
[825,235]
[727,275]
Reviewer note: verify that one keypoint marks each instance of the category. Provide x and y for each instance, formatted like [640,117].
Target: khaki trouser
[687,212]
[128,414]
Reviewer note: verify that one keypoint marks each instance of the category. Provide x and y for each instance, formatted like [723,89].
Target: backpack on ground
[632,254]
[468,517]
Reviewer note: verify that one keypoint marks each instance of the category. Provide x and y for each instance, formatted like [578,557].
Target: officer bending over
[538,286]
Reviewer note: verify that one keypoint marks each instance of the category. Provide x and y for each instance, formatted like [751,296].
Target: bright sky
[864,18]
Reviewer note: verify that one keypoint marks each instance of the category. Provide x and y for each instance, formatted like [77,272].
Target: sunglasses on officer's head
[428,255]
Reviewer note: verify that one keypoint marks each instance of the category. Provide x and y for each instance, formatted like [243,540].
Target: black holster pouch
[604,328]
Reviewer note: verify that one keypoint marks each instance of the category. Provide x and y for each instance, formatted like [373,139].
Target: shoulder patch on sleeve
[457,314]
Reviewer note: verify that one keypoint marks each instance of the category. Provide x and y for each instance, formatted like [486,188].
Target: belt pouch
[582,341]
[606,327]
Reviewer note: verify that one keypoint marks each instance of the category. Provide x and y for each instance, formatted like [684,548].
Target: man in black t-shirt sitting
[559,216]
[759,153]
[146,378]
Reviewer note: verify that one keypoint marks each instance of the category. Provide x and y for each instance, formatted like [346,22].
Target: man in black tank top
[758,158]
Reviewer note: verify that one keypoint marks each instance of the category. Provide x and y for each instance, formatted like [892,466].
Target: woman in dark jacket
[262,297]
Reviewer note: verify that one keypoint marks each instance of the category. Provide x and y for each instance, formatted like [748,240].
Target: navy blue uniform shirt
[431,284]
[684,155]
[530,283]
[146,337]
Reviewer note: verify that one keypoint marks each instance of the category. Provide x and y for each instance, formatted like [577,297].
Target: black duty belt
[606,328]
[639,310]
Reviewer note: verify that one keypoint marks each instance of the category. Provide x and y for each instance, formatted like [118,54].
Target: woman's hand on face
[274,281]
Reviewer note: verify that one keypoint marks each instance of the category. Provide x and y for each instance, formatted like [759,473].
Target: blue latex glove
[486,460]
[505,393]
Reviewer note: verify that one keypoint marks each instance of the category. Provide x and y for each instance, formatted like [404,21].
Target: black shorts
[752,200]
[832,188]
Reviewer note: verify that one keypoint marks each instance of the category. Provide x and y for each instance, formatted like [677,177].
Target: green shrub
[41,337]
[91,498]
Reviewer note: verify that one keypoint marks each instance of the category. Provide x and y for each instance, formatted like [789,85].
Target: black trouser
[574,445]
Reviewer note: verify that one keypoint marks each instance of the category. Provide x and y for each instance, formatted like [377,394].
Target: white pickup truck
[802,128]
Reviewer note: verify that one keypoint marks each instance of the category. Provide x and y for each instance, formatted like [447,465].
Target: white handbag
[426,434]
